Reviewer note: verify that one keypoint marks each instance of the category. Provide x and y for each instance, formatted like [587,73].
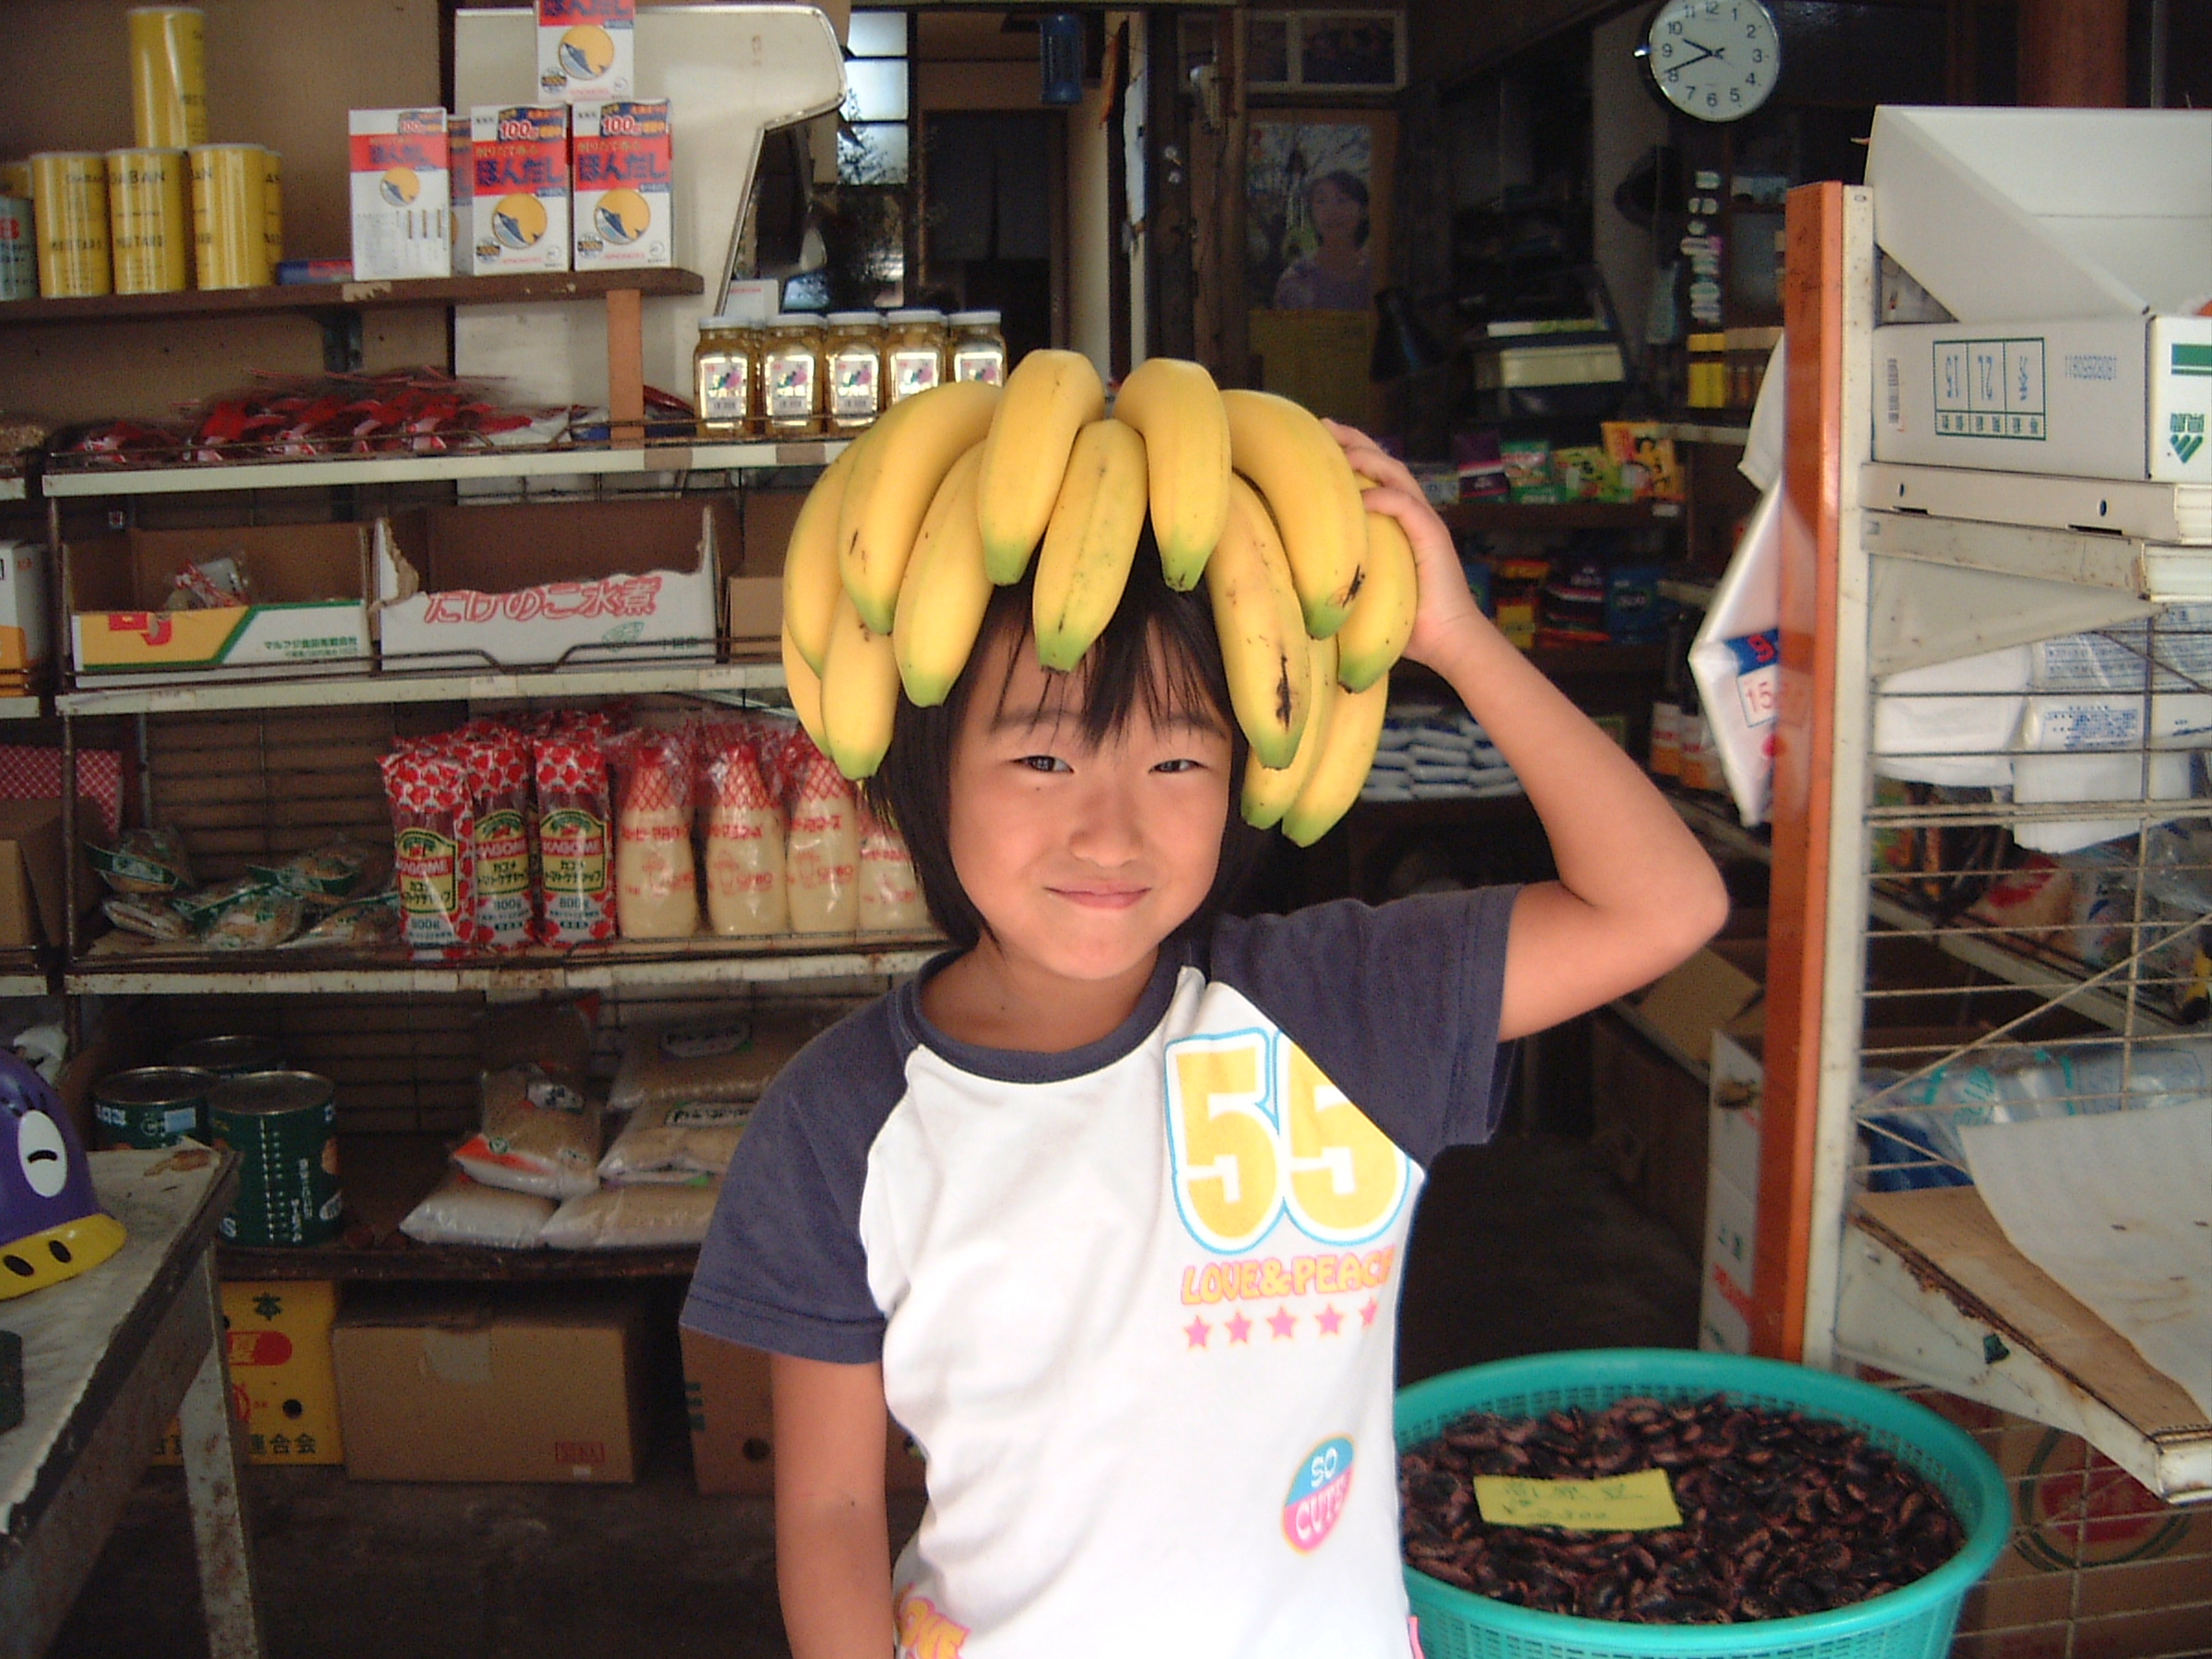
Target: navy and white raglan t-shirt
[1135,1302]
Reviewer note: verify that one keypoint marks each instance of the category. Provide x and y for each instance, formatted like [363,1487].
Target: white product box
[23,626]
[1734,1125]
[1725,1291]
[401,200]
[2122,397]
[624,175]
[586,50]
[511,200]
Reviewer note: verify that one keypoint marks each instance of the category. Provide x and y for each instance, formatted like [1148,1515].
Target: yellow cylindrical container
[69,197]
[272,208]
[149,221]
[168,77]
[230,229]
[15,180]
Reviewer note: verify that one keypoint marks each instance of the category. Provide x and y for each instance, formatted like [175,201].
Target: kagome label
[571,846]
[428,868]
[501,853]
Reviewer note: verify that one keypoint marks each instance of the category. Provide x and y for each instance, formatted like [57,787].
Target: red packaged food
[576,892]
[432,826]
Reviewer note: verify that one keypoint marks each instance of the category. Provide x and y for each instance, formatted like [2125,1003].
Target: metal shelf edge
[511,685]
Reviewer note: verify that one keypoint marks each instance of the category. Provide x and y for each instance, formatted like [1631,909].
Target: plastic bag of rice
[462,1211]
[672,1142]
[634,1218]
[541,1134]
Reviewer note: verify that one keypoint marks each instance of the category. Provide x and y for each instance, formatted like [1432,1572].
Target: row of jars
[799,375]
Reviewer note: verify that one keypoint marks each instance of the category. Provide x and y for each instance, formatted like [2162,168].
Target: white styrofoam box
[1734,1127]
[730,72]
[2015,214]
[1725,1289]
[2125,398]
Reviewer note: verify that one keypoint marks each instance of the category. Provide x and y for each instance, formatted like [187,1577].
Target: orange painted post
[626,366]
[1797,936]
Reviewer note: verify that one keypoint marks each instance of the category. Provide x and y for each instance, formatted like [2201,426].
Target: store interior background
[1572,1232]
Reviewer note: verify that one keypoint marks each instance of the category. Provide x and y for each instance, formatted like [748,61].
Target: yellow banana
[941,603]
[1345,756]
[1374,635]
[860,693]
[1050,397]
[811,581]
[1089,543]
[896,471]
[805,688]
[1264,643]
[1177,408]
[1313,492]
[1267,792]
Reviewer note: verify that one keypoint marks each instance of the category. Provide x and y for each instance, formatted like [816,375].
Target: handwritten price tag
[1639,1502]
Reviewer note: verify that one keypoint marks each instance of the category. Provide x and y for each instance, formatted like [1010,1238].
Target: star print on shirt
[1367,1314]
[1239,1329]
[1329,1319]
[1282,1321]
[1199,1332]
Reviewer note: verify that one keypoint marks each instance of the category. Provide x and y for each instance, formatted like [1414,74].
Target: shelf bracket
[341,340]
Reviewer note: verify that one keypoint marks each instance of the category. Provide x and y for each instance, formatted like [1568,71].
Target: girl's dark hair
[1159,652]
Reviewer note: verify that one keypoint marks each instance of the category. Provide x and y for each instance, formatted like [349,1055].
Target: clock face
[1714,59]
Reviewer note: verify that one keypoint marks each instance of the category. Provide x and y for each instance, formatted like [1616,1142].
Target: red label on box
[579,1451]
[373,152]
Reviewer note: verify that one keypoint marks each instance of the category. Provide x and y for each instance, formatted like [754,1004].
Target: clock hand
[1704,53]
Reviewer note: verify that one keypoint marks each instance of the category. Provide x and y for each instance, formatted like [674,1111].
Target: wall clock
[1713,60]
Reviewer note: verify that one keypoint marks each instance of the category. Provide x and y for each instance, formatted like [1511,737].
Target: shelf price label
[1758,675]
[1640,1502]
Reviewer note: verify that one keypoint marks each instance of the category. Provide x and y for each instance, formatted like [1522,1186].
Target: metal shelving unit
[711,681]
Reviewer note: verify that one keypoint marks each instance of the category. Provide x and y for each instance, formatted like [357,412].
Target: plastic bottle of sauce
[656,882]
[744,849]
[822,849]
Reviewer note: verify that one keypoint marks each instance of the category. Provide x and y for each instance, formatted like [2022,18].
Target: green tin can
[284,1126]
[152,1106]
[230,1057]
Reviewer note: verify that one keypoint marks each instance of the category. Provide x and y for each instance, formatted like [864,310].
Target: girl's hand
[1447,611]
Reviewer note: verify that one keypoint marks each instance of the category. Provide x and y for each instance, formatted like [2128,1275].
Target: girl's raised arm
[1635,893]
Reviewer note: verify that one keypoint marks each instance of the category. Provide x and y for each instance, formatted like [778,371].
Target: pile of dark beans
[1781,1513]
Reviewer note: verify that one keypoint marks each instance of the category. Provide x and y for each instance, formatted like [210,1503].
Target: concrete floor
[1522,1247]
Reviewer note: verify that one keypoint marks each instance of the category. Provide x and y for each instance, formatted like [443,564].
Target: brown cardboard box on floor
[491,1383]
[733,1429]
[32,904]
[755,621]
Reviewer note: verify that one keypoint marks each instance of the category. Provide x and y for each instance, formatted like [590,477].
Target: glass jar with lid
[977,349]
[791,376]
[914,351]
[722,378]
[851,356]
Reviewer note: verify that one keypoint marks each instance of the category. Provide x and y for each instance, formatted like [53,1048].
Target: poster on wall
[1317,222]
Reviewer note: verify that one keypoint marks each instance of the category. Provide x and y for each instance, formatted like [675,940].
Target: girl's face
[1081,860]
[1336,214]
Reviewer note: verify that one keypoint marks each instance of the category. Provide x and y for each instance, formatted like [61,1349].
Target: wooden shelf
[516,288]
[1508,517]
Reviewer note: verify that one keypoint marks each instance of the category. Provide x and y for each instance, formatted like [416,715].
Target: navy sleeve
[1397,1004]
[782,1268]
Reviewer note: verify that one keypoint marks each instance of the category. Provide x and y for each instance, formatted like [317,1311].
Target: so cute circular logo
[1317,1495]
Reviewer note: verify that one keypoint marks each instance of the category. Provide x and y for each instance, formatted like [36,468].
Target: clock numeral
[1750,32]
[1667,49]
[1751,80]
[1672,76]
[1736,95]
[1758,56]
[1713,101]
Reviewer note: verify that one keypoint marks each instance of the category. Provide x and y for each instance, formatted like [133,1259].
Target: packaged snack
[328,875]
[143,861]
[821,846]
[1586,473]
[577,895]
[464,1211]
[674,1142]
[745,840]
[891,894]
[541,1134]
[260,918]
[656,879]
[364,925]
[634,1218]
[1528,472]
[730,1058]
[152,917]
[433,824]
[1644,452]
[499,776]
[202,905]
[219,583]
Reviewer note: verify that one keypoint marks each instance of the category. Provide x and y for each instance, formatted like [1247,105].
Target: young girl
[1109,1204]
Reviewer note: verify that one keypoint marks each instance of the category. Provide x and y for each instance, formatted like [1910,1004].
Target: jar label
[790,386]
[853,384]
[722,389]
[987,364]
[912,371]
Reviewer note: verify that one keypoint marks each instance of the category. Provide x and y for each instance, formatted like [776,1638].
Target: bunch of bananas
[895,551]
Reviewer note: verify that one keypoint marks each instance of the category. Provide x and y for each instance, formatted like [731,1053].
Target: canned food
[284,1126]
[228,1056]
[230,225]
[18,248]
[152,1106]
[70,190]
[168,77]
[149,221]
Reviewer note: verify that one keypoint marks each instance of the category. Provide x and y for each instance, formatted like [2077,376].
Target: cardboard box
[732,1426]
[623,179]
[491,1383]
[536,582]
[311,611]
[586,50]
[284,1391]
[755,623]
[402,193]
[771,515]
[24,627]
[33,903]
[1648,1126]
[510,199]
[2117,397]
[1717,989]
[1724,1285]
[1734,1122]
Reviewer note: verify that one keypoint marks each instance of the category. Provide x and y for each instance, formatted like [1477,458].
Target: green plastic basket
[1913,1622]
